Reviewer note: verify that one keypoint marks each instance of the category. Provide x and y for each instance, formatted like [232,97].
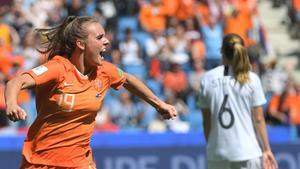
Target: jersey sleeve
[203,101]
[46,73]
[116,75]
[258,97]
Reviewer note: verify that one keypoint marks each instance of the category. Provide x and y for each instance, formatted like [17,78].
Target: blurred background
[168,44]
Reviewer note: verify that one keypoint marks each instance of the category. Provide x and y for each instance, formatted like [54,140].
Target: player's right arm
[13,87]
[206,122]
[46,74]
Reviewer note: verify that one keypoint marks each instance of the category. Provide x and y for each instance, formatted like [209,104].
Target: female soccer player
[70,88]
[231,99]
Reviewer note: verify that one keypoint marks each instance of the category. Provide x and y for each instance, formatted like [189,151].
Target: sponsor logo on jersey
[98,95]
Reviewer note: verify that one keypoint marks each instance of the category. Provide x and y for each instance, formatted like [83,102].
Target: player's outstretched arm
[138,88]
[13,111]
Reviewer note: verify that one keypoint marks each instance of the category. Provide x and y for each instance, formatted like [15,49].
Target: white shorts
[255,163]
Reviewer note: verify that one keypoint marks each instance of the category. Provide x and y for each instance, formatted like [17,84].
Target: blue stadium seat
[155,86]
[120,36]
[191,102]
[141,37]
[279,134]
[137,70]
[128,22]
[195,120]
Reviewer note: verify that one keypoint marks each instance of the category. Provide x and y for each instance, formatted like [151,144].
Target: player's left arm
[269,160]
[137,87]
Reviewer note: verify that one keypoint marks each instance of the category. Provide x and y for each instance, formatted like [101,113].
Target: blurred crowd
[168,44]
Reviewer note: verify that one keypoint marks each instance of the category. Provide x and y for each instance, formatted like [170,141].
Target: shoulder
[109,69]
[58,58]
[254,77]
[107,65]
[61,62]
[213,73]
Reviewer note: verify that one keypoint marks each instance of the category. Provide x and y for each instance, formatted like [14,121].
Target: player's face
[95,44]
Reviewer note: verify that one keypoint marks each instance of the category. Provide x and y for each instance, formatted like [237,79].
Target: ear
[80,44]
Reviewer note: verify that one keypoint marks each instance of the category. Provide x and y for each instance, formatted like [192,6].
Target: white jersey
[232,135]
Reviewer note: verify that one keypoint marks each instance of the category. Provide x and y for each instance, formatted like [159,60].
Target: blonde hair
[234,51]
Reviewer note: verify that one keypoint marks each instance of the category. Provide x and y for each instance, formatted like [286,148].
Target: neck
[225,62]
[77,59]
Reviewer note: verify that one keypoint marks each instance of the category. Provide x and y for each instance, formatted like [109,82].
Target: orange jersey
[5,36]
[291,103]
[153,18]
[67,103]
[185,10]
[204,12]
[296,5]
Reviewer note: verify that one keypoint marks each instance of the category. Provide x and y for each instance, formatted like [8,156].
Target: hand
[269,161]
[15,113]
[167,111]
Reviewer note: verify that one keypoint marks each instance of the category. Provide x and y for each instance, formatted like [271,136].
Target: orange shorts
[26,165]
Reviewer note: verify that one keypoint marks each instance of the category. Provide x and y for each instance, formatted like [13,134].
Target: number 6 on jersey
[221,113]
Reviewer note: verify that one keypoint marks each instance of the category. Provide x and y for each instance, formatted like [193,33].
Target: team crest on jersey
[39,70]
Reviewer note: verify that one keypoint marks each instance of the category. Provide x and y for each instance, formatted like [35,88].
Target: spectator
[8,36]
[130,50]
[292,106]
[195,76]
[180,125]
[178,44]
[75,8]
[195,45]
[146,115]
[185,10]
[124,112]
[153,16]
[175,80]
[212,38]
[239,21]
[171,6]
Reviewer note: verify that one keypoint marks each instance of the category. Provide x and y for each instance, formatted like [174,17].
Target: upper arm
[24,81]
[130,79]
[27,81]
[47,73]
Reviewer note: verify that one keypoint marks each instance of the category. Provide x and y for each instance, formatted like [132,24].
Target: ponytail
[234,51]
[241,64]
[61,40]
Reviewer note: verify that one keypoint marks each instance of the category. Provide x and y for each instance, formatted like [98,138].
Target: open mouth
[101,53]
